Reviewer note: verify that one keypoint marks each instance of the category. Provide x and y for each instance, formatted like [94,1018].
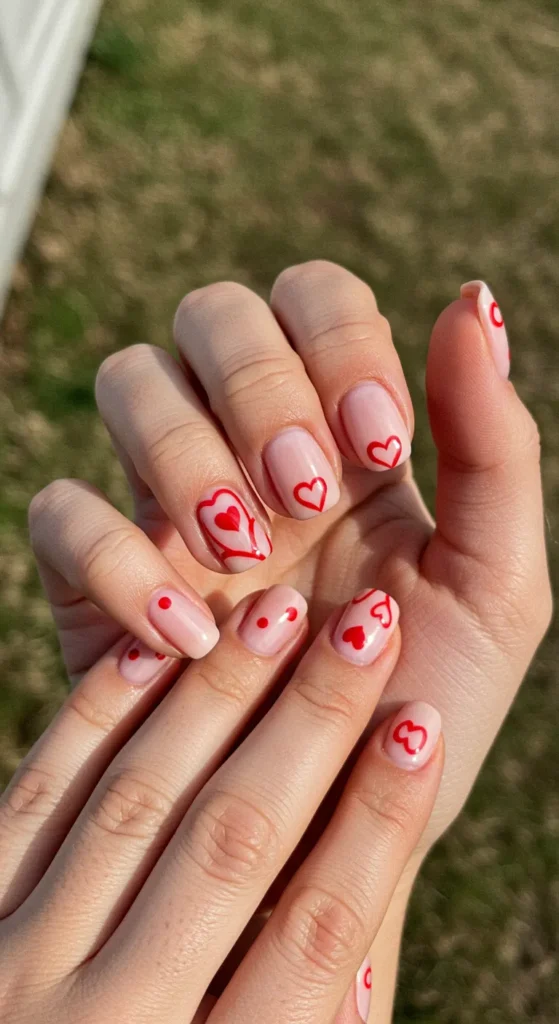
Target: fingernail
[365,626]
[231,530]
[375,427]
[184,624]
[274,620]
[301,473]
[363,983]
[492,322]
[413,735]
[139,664]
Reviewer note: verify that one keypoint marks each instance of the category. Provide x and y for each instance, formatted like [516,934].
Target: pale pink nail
[365,626]
[413,735]
[231,530]
[492,322]
[301,473]
[274,620]
[139,664]
[363,983]
[375,427]
[183,623]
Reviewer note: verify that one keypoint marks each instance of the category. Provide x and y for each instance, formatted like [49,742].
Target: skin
[473,589]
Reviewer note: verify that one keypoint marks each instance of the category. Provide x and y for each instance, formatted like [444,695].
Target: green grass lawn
[418,145]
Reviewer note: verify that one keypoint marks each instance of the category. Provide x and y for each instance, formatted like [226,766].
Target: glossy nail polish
[492,321]
[139,664]
[183,623]
[231,530]
[301,473]
[273,621]
[413,735]
[366,626]
[375,427]
[363,984]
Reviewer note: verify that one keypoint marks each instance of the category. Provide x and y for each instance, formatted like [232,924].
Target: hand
[166,854]
[474,588]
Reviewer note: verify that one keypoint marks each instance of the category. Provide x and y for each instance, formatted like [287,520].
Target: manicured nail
[184,624]
[139,664]
[363,984]
[375,427]
[301,473]
[365,626]
[274,620]
[413,735]
[492,322]
[231,530]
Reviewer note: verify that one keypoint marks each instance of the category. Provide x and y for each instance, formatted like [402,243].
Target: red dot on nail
[165,602]
[262,623]
[133,654]
[291,614]
[160,657]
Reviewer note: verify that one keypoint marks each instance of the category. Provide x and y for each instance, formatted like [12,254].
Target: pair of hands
[142,861]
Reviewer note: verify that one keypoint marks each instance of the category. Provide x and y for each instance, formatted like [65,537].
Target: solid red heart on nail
[311,494]
[383,612]
[385,453]
[412,737]
[228,520]
[355,636]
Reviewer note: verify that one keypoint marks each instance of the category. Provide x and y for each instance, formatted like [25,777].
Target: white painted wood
[42,46]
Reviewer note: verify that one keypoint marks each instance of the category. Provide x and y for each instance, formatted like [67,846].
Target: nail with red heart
[366,626]
[492,322]
[413,735]
[184,624]
[274,620]
[139,664]
[231,530]
[301,474]
[375,427]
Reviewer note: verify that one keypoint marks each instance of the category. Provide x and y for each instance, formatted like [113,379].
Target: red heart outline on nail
[218,545]
[410,727]
[320,483]
[391,442]
[495,315]
[385,614]
[363,597]
[229,520]
[355,636]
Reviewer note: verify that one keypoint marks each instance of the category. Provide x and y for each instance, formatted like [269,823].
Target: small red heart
[355,636]
[291,614]
[392,447]
[405,730]
[316,489]
[133,654]
[228,520]
[383,612]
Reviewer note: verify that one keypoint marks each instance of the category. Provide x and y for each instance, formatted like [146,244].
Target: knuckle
[131,806]
[32,794]
[113,551]
[208,299]
[184,441]
[231,840]
[308,273]
[318,933]
[248,379]
[47,501]
[118,364]
[390,814]
[224,681]
[88,712]
[324,700]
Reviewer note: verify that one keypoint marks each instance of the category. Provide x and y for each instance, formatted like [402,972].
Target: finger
[54,781]
[176,449]
[104,557]
[245,823]
[142,797]
[259,390]
[490,535]
[307,955]
[332,318]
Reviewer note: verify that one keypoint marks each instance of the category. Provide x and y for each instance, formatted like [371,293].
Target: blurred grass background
[415,143]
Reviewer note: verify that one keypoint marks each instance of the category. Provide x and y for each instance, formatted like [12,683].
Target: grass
[417,145]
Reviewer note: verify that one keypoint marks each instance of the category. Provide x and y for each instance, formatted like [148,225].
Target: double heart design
[311,494]
[382,610]
[412,737]
[385,453]
[232,518]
